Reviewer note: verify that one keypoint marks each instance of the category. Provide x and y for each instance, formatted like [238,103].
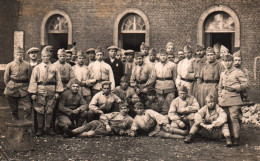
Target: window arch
[56,21]
[227,18]
[131,21]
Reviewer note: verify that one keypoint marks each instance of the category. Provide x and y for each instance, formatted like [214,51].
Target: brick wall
[170,20]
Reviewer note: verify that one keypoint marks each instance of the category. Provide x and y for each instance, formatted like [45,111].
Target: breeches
[166,100]
[233,120]
[70,121]
[185,120]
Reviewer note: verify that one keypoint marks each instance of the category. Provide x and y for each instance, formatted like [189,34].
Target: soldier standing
[91,56]
[144,49]
[16,78]
[129,64]
[45,87]
[209,75]
[164,77]
[124,91]
[231,83]
[182,70]
[101,72]
[141,79]
[194,72]
[116,65]
[68,58]
[33,56]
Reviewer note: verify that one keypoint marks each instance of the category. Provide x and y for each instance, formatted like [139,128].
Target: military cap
[123,104]
[143,46]
[48,48]
[68,51]
[33,49]
[91,50]
[106,83]
[80,53]
[112,48]
[223,48]
[138,54]
[74,50]
[129,52]
[18,50]
[187,48]
[169,44]
[162,51]
[61,52]
[98,49]
[211,97]
[124,79]
[199,47]
[183,89]
[216,47]
[228,57]
[139,105]
[210,50]
[237,54]
[151,92]
[152,51]
[74,81]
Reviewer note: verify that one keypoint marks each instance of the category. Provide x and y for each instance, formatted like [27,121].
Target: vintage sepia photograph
[130,80]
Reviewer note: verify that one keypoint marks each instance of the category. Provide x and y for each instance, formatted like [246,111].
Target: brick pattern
[93,22]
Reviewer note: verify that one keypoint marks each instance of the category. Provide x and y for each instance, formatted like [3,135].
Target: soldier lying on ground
[153,123]
[115,123]
[210,118]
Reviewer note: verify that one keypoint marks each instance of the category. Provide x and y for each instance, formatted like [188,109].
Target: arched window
[131,29]
[219,24]
[58,24]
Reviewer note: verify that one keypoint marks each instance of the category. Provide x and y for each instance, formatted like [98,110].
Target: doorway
[133,41]
[226,39]
[58,41]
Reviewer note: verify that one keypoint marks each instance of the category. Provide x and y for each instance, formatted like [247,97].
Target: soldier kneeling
[209,118]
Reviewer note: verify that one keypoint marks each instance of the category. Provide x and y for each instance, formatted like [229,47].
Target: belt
[211,81]
[47,83]
[163,79]
[141,82]
[187,80]
[230,89]
[20,81]
[101,80]
[65,81]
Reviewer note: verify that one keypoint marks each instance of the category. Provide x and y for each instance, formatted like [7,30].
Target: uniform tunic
[210,76]
[124,94]
[66,72]
[193,73]
[83,75]
[117,68]
[128,67]
[101,71]
[182,71]
[180,109]
[45,82]
[101,102]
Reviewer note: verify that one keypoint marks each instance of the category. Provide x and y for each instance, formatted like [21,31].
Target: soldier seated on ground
[208,120]
[124,91]
[153,123]
[182,109]
[72,110]
[154,103]
[115,123]
[131,103]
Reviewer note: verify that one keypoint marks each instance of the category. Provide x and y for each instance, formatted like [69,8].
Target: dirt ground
[139,148]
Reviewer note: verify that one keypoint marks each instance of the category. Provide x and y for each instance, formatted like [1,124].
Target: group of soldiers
[130,93]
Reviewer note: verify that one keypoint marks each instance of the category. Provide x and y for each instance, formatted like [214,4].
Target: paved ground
[139,148]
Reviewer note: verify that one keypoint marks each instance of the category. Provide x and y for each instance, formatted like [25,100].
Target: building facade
[127,23]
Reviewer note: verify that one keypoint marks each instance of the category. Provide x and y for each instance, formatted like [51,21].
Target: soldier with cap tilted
[50,50]
[101,72]
[116,65]
[45,87]
[164,79]
[16,77]
[232,82]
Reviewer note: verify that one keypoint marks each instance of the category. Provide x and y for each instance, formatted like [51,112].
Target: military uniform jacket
[216,117]
[180,107]
[182,70]
[101,71]
[195,68]
[117,68]
[235,79]
[66,72]
[211,71]
[128,67]
[142,76]
[148,120]
[70,101]
[117,121]
[45,80]
[16,78]
[103,102]
[124,94]
[83,75]
[165,76]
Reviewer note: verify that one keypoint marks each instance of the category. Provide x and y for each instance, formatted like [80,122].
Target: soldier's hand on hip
[33,97]
[57,96]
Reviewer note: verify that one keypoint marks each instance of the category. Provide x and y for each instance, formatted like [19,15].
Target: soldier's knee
[181,124]
[174,125]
